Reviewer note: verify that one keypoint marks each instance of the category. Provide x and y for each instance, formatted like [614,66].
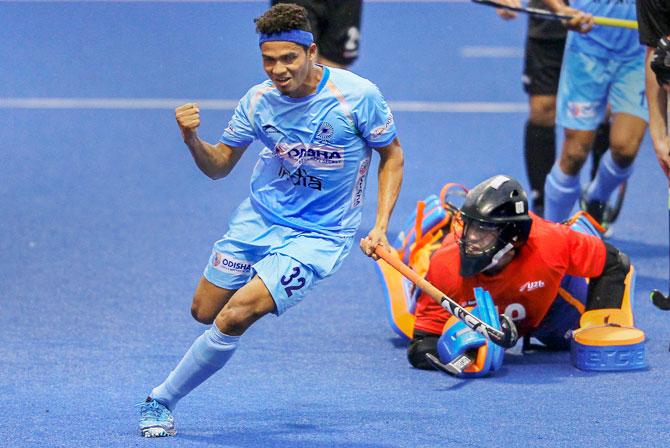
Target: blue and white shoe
[155,419]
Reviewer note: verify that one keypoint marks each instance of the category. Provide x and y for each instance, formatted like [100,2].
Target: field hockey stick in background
[506,337]
[546,14]
[657,297]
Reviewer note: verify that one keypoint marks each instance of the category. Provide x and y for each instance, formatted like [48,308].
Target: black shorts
[336,27]
[653,17]
[542,66]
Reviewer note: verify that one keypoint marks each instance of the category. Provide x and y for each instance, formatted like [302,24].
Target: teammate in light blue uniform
[319,127]
[602,67]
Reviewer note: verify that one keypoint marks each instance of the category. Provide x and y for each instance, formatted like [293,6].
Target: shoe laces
[153,409]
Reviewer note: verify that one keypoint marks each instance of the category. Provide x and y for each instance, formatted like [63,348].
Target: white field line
[171,103]
[491,52]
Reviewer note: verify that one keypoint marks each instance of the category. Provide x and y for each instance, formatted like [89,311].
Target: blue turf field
[107,224]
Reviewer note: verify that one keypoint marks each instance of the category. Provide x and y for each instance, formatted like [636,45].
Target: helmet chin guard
[495,221]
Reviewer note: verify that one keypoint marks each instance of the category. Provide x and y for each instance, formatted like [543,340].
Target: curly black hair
[283,17]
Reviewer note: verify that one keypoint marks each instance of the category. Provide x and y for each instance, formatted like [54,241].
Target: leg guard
[607,339]
[458,339]
[399,299]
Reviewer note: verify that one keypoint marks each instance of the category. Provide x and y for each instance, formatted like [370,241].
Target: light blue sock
[608,178]
[560,194]
[207,355]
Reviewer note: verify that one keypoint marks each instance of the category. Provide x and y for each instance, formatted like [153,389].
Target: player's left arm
[389,179]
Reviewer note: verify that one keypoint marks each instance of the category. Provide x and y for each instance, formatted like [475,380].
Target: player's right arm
[657,98]
[216,161]
[581,21]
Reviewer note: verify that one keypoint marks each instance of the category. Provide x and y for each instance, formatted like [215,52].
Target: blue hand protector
[457,339]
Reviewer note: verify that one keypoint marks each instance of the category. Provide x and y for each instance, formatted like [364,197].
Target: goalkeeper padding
[607,339]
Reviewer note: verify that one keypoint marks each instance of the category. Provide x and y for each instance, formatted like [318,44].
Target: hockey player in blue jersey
[318,127]
[601,68]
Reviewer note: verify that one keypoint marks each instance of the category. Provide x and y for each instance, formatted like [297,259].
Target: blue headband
[299,37]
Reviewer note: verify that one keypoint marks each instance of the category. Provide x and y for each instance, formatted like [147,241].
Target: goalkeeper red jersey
[526,287]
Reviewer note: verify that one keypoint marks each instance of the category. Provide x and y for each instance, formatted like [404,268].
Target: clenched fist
[188,119]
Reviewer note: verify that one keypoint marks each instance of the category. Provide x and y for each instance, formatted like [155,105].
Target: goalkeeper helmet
[494,220]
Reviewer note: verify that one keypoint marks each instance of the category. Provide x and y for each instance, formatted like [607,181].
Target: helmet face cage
[477,237]
[493,220]
[482,244]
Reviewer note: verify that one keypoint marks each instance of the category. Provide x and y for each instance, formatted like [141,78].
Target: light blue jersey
[312,172]
[607,41]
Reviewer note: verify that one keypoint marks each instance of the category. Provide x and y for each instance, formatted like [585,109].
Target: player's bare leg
[626,137]
[575,150]
[246,306]
[209,300]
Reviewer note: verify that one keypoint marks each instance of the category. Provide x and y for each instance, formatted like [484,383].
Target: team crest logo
[325,132]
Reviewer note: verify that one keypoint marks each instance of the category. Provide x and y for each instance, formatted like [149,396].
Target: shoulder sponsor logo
[359,184]
[230,265]
[376,132]
[532,285]
[578,109]
[315,155]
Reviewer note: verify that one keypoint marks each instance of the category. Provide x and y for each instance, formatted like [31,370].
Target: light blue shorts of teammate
[589,83]
[289,261]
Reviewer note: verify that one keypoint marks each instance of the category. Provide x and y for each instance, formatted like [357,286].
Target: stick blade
[455,367]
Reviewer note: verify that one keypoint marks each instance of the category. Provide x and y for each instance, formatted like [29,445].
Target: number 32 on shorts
[292,282]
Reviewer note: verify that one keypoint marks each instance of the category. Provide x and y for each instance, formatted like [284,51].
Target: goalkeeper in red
[535,273]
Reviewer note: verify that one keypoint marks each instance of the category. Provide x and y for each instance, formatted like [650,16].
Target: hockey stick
[546,14]
[505,338]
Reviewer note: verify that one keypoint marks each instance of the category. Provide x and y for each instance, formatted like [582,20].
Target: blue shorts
[564,314]
[288,261]
[589,83]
